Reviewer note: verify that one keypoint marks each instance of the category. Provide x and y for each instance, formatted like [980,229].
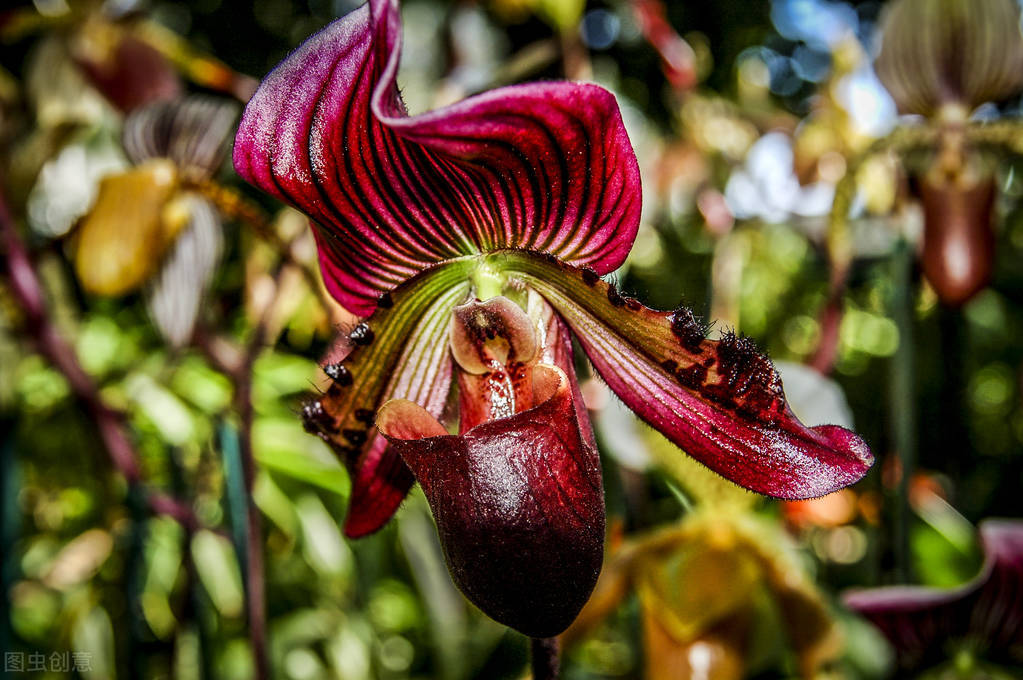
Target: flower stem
[902,403]
[546,658]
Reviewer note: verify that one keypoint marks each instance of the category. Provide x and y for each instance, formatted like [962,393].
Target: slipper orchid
[471,241]
[983,617]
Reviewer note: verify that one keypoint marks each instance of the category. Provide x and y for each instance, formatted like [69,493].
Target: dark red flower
[515,201]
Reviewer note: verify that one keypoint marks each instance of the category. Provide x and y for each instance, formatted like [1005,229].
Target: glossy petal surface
[518,503]
[959,238]
[546,166]
[720,401]
[987,611]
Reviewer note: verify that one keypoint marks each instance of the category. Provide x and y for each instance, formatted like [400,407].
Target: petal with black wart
[721,401]
[401,351]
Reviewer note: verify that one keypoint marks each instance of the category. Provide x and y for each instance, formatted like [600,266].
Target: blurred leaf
[33,610]
[277,375]
[322,544]
[866,650]
[349,653]
[79,559]
[162,408]
[275,504]
[93,635]
[218,571]
[207,389]
[40,387]
[938,561]
[445,606]
[237,494]
[102,346]
[283,446]
[162,567]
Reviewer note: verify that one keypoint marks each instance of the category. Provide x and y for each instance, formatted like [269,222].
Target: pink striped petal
[543,166]
[721,401]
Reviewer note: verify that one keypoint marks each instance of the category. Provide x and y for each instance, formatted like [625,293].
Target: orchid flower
[471,241]
[149,225]
[706,589]
[972,55]
[983,617]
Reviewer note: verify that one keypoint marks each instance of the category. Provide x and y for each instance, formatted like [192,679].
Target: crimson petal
[987,611]
[544,166]
[721,401]
[518,503]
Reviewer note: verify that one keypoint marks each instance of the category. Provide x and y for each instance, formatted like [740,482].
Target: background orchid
[964,628]
[431,227]
[163,511]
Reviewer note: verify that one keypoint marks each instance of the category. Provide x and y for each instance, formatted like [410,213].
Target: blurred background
[149,408]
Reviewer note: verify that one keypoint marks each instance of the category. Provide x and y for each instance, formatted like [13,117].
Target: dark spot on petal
[633,304]
[315,418]
[692,376]
[385,301]
[689,330]
[339,374]
[615,297]
[355,437]
[748,378]
[669,365]
[590,276]
[364,415]
[361,335]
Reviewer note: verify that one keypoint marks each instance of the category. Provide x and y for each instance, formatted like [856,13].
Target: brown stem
[546,658]
[28,291]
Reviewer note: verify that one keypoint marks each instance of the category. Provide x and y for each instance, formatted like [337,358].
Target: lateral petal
[401,351]
[721,401]
[987,611]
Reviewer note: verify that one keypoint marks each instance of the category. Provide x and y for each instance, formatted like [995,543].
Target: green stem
[902,404]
